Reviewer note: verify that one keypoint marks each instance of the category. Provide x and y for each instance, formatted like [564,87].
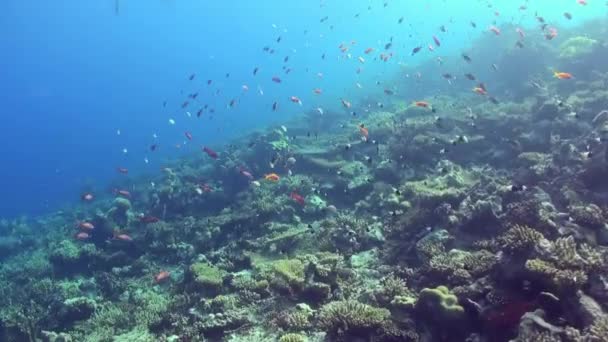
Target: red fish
[582,2]
[161,277]
[122,170]
[211,153]
[437,42]
[368,50]
[317,91]
[148,219]
[188,135]
[422,104]
[298,198]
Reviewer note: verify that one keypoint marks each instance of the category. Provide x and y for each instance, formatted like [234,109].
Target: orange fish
[82,236]
[161,276]
[364,131]
[273,177]
[87,226]
[480,91]
[422,104]
[562,75]
[495,29]
[122,237]
[123,193]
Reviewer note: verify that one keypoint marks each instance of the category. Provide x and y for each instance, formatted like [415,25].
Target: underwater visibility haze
[329,170]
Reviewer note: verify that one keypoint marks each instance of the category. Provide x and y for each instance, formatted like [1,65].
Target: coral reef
[463,217]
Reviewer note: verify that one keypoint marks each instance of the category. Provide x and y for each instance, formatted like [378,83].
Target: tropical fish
[368,50]
[87,197]
[436,40]
[122,237]
[211,153]
[295,99]
[86,226]
[161,277]
[123,193]
[562,75]
[188,135]
[364,131]
[276,79]
[495,29]
[122,170]
[480,91]
[82,236]
[298,198]
[273,177]
[148,219]
[422,104]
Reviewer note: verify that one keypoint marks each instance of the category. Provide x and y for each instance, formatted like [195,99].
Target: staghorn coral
[560,279]
[590,216]
[599,330]
[352,318]
[526,213]
[519,239]
[293,338]
[297,320]
[391,287]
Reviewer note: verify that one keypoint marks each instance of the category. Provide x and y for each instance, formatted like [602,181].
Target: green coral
[282,141]
[576,47]
[290,270]
[207,276]
[441,304]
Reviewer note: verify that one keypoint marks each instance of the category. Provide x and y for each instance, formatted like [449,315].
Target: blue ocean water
[75,74]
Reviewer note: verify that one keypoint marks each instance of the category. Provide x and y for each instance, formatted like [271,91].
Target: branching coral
[352,318]
[293,338]
[519,239]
